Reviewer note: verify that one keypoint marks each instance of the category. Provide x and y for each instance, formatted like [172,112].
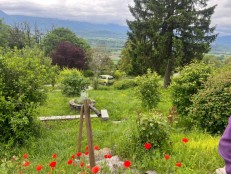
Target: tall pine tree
[168,33]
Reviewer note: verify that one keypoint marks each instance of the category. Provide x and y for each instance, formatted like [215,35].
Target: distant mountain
[109,35]
[223,40]
[84,29]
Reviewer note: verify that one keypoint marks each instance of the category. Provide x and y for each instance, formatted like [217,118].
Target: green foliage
[187,83]
[124,84]
[118,74]
[88,73]
[58,35]
[164,35]
[153,128]
[101,62]
[149,89]
[73,82]
[22,76]
[4,34]
[211,106]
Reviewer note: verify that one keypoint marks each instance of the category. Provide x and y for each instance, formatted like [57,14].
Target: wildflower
[178,164]
[96,147]
[72,156]
[127,164]
[53,164]
[54,155]
[38,168]
[184,140]
[167,157]
[26,163]
[107,156]
[69,162]
[25,156]
[79,154]
[86,153]
[81,164]
[95,169]
[147,146]
[86,148]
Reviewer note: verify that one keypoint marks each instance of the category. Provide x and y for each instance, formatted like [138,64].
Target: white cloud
[100,11]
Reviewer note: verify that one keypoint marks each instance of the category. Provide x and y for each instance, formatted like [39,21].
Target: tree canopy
[54,37]
[165,34]
[68,55]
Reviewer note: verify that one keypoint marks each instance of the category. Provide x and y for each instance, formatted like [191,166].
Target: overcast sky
[100,11]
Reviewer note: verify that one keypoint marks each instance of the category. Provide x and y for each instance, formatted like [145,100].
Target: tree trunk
[167,74]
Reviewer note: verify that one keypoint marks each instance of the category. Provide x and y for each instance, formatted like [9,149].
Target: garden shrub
[22,78]
[118,74]
[73,82]
[148,88]
[153,128]
[124,84]
[187,83]
[211,106]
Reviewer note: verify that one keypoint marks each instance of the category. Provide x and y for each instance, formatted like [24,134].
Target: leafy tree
[212,60]
[68,55]
[4,34]
[100,62]
[125,63]
[22,77]
[54,37]
[166,34]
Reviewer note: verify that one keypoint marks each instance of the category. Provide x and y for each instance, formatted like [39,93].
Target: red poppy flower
[79,154]
[96,147]
[86,148]
[147,146]
[107,156]
[69,162]
[95,169]
[26,163]
[25,156]
[86,153]
[72,156]
[178,164]
[81,164]
[38,168]
[167,157]
[127,164]
[52,164]
[184,140]
[54,155]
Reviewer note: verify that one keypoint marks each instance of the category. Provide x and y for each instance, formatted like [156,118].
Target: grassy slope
[199,156]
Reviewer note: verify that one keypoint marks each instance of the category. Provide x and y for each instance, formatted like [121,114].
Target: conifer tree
[168,33]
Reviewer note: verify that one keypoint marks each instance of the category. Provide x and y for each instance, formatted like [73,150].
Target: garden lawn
[198,156]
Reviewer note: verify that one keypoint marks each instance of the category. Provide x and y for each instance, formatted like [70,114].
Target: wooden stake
[80,130]
[89,133]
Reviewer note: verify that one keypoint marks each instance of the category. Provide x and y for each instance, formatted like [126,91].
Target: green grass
[198,156]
